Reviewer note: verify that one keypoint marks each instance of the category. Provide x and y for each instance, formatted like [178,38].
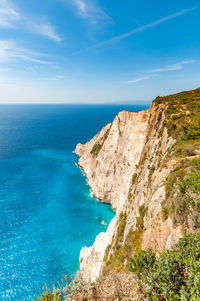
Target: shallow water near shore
[46,212]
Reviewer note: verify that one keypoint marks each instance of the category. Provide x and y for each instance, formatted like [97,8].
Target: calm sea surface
[46,212]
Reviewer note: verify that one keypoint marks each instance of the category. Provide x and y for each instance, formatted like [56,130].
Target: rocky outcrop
[91,258]
[149,188]
[109,159]
[126,164]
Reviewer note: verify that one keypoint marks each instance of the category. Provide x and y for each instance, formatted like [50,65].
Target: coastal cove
[47,214]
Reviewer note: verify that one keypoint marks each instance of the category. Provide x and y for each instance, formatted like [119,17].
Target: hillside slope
[146,165]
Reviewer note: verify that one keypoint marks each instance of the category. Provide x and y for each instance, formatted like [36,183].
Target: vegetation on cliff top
[183,194]
[182,119]
[175,275]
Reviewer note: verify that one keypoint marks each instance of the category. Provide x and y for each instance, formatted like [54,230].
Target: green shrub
[151,171]
[182,120]
[183,149]
[144,158]
[134,177]
[99,144]
[121,250]
[142,262]
[195,163]
[182,201]
[192,181]
[175,176]
[175,275]
[48,296]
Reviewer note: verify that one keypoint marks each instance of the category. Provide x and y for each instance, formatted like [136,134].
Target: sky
[97,51]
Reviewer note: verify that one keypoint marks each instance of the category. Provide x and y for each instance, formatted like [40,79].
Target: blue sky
[97,51]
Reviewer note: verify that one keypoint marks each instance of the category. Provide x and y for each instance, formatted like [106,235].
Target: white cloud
[143,28]
[139,79]
[56,77]
[90,10]
[8,14]
[46,30]
[82,7]
[10,17]
[174,67]
[9,50]
[155,72]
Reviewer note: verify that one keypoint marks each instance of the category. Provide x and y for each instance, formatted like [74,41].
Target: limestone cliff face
[110,158]
[91,258]
[125,165]
[108,161]
[148,190]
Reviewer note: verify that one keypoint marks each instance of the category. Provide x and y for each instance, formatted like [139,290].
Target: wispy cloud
[90,10]
[174,67]
[82,8]
[10,51]
[12,18]
[143,28]
[8,14]
[142,78]
[156,72]
[56,77]
[46,30]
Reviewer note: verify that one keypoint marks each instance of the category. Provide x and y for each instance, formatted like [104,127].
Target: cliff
[110,158]
[139,163]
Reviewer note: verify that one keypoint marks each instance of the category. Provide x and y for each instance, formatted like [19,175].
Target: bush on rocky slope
[183,194]
[182,120]
[48,296]
[175,275]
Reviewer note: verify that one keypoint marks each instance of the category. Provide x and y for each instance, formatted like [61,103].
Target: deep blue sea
[46,212]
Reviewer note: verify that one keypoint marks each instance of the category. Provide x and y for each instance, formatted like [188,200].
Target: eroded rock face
[91,258]
[130,145]
[109,159]
[149,188]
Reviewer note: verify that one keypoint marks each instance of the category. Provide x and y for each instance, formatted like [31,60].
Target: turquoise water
[46,212]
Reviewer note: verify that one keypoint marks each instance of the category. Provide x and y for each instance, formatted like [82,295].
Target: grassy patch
[99,144]
[130,193]
[134,238]
[151,172]
[134,177]
[116,259]
[182,201]
[48,296]
[184,149]
[144,158]
[122,250]
[182,120]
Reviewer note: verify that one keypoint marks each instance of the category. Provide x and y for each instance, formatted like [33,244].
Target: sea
[46,212]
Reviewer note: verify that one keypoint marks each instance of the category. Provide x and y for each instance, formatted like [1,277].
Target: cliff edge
[137,163]
[109,159]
